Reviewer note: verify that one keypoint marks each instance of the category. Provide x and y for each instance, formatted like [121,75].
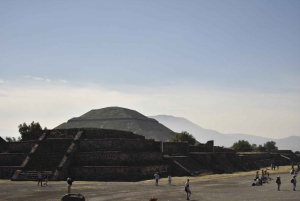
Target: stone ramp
[45,156]
[224,166]
[187,166]
[48,155]
[239,164]
[220,162]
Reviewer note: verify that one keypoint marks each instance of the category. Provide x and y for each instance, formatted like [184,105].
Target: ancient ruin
[117,118]
[115,155]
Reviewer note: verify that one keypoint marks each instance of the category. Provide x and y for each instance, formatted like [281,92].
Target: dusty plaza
[223,187]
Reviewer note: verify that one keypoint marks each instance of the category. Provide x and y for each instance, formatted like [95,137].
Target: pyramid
[123,119]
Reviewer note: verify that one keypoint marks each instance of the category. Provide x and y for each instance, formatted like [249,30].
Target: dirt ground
[225,187]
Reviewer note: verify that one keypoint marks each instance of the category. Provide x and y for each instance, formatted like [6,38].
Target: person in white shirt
[187,189]
[169,179]
[156,176]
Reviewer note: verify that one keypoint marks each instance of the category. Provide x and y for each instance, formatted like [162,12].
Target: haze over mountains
[178,124]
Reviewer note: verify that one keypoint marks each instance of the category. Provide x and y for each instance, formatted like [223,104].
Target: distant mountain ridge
[178,124]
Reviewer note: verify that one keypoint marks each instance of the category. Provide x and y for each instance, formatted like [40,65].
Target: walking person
[278,182]
[40,179]
[187,189]
[169,179]
[46,177]
[294,182]
[69,181]
[156,176]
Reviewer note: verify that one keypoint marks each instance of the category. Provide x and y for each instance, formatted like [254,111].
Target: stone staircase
[185,165]
[223,164]
[48,155]
[239,164]
[45,156]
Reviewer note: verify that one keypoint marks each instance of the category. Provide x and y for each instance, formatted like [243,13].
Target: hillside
[178,124]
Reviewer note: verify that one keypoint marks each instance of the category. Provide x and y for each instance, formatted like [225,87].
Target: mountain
[178,124]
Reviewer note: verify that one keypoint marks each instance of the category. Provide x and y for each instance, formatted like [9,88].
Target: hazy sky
[230,66]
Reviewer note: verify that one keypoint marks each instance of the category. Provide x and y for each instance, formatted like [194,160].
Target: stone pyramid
[118,118]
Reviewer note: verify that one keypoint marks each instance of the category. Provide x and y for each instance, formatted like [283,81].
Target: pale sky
[230,66]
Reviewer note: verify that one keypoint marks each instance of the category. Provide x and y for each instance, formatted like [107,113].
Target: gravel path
[203,188]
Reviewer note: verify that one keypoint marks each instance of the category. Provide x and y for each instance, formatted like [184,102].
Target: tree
[261,148]
[12,139]
[270,146]
[23,128]
[254,147]
[242,145]
[32,127]
[182,137]
[297,152]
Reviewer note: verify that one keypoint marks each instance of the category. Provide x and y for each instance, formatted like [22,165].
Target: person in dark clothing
[278,182]
[40,178]
[187,189]
[46,177]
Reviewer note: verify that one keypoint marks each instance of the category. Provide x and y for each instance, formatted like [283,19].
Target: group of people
[265,176]
[293,170]
[45,177]
[273,166]
[293,181]
[42,177]
[186,186]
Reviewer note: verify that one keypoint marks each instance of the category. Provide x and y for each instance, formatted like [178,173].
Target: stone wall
[222,149]
[15,159]
[283,151]
[31,136]
[198,148]
[117,173]
[20,147]
[220,162]
[91,133]
[116,158]
[256,155]
[3,145]
[264,159]
[6,172]
[207,147]
[175,148]
[117,145]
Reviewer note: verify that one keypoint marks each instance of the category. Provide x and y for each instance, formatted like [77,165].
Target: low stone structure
[112,155]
